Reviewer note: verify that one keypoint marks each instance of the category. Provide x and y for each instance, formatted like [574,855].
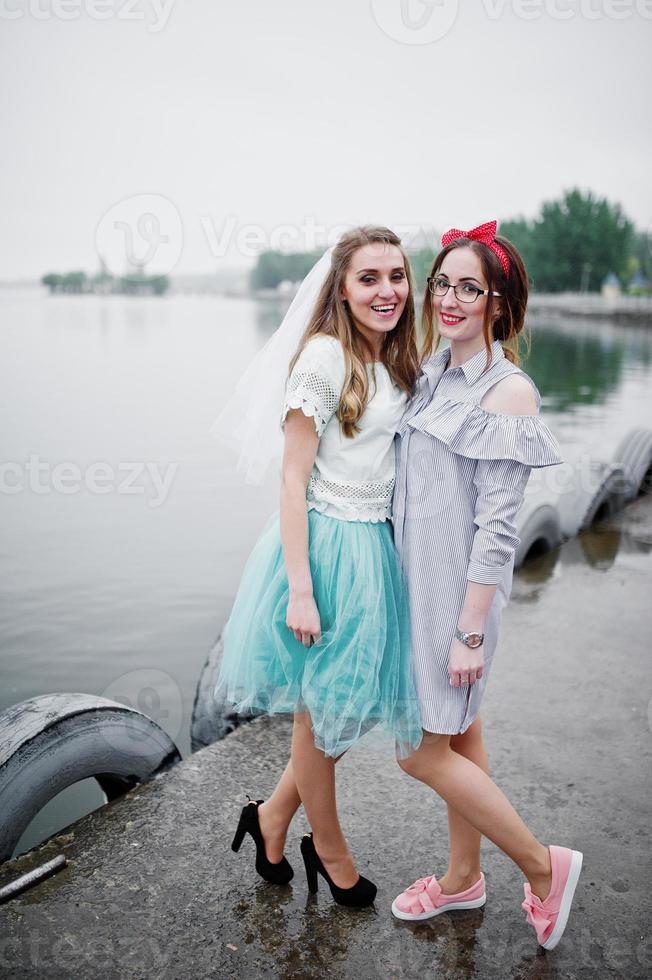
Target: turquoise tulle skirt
[358,675]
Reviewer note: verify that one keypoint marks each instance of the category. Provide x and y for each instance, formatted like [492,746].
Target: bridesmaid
[467,443]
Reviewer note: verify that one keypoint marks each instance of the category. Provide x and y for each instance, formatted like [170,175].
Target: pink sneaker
[549,918]
[424,899]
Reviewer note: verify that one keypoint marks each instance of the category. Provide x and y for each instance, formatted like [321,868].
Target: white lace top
[352,479]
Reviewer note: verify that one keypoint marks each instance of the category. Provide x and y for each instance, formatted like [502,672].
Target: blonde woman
[320,628]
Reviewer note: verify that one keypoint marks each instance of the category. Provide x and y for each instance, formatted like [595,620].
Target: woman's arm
[301,443]
[463,662]
[500,484]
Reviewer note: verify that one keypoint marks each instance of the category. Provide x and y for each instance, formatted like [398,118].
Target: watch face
[474,640]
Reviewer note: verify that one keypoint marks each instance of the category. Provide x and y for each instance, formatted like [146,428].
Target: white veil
[250,422]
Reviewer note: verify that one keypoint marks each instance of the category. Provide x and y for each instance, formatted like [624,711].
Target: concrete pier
[152,888]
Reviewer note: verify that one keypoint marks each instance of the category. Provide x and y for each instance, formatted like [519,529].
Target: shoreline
[627,309]
[623,309]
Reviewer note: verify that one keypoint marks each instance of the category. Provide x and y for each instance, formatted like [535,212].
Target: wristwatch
[471,640]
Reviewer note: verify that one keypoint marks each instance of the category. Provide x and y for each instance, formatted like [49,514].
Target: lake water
[124,528]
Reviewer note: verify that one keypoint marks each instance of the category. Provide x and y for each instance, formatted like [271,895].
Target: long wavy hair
[332,317]
[504,317]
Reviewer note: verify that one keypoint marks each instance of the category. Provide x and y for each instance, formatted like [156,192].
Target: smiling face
[457,320]
[376,288]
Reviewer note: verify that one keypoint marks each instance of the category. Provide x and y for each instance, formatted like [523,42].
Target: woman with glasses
[466,445]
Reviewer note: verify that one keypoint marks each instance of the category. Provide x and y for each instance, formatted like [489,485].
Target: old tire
[47,743]
[634,455]
[211,720]
[598,492]
[539,530]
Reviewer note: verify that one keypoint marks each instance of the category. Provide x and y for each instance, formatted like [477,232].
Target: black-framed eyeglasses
[465,292]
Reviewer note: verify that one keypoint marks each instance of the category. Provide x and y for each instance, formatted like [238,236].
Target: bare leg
[464,859]
[315,776]
[276,813]
[472,793]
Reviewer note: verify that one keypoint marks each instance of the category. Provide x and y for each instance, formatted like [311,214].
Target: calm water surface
[116,578]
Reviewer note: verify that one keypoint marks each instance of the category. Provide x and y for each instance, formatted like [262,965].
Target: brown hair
[332,317]
[504,318]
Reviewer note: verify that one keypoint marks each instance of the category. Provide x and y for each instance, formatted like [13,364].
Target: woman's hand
[465,665]
[303,619]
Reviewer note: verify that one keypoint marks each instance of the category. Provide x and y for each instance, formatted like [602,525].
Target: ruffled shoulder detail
[471,431]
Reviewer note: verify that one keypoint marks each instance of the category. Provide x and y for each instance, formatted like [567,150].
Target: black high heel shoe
[358,896]
[277,874]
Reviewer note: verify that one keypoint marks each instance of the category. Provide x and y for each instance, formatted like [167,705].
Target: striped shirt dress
[460,479]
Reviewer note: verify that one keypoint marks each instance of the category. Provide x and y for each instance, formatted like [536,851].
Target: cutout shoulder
[513,395]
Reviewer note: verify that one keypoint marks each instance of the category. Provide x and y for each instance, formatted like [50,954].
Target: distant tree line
[136,284]
[575,243]
[273,268]
[572,245]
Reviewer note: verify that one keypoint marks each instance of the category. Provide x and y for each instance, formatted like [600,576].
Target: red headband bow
[483,233]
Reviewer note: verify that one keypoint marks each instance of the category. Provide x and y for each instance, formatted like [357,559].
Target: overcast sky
[215,123]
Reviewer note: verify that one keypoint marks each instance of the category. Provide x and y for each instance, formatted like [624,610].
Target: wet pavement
[152,888]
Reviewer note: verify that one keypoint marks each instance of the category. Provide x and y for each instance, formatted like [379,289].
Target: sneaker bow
[542,918]
[422,895]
